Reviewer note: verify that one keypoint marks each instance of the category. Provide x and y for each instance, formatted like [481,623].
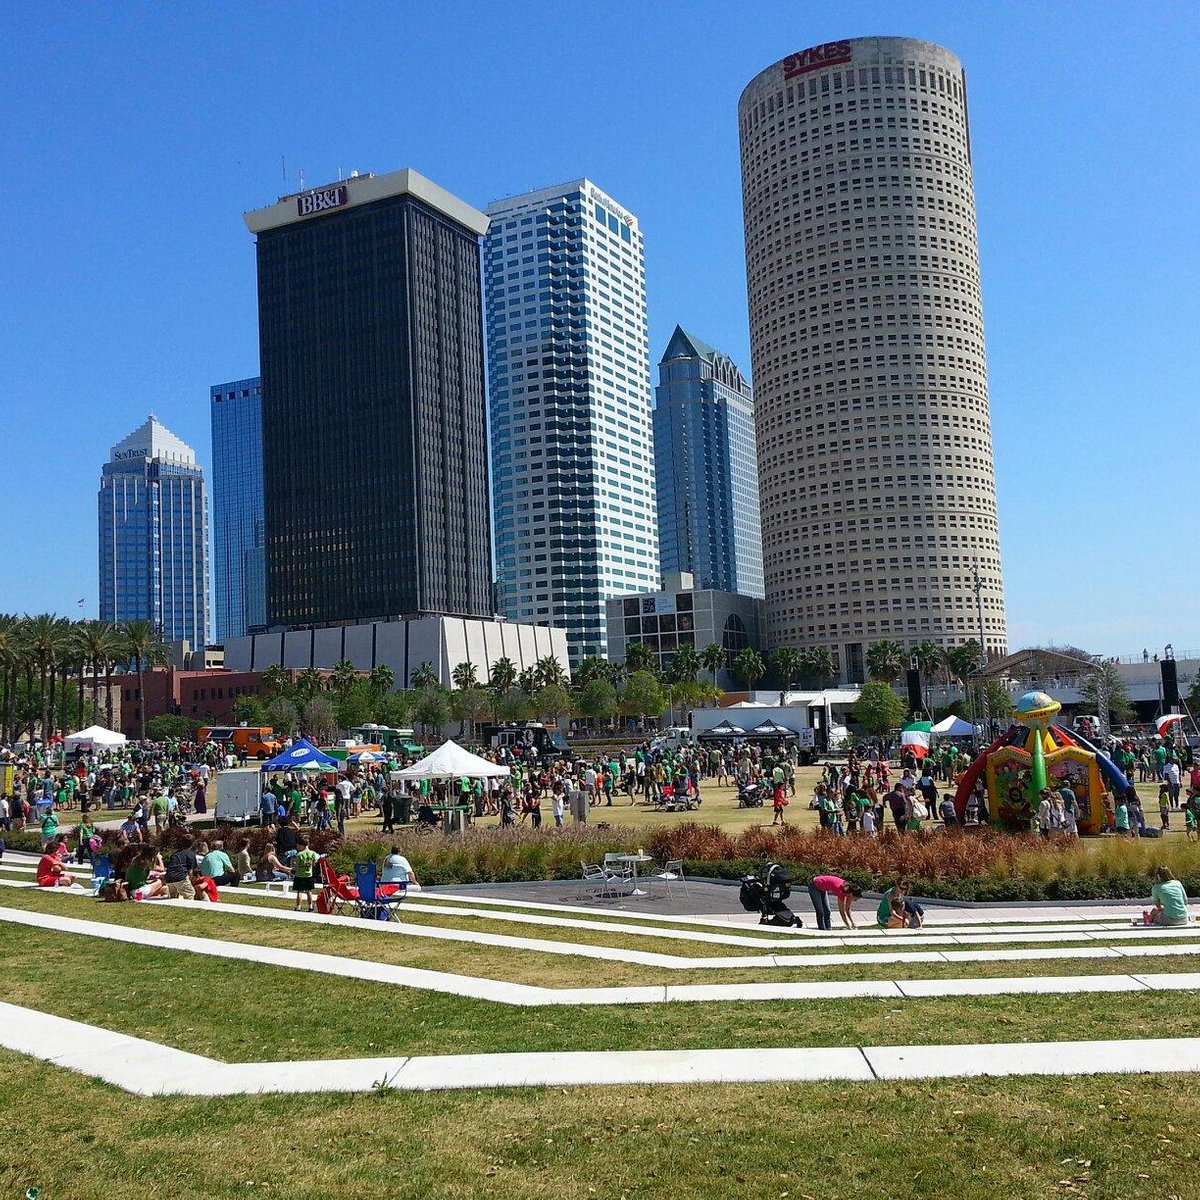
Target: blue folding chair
[101,873]
[372,903]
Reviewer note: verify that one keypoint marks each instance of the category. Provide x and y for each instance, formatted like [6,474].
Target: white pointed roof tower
[153,440]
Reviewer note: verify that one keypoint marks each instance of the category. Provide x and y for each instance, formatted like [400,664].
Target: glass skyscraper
[373,407]
[154,535]
[569,374]
[707,469]
[239,528]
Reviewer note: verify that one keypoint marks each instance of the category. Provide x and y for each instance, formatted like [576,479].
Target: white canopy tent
[451,761]
[953,726]
[92,736]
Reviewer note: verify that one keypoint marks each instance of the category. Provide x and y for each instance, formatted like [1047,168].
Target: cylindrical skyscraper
[866,333]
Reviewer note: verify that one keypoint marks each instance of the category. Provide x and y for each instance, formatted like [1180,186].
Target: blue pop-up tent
[300,756]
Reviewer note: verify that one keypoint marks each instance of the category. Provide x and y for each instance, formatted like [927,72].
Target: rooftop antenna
[283,168]
[301,178]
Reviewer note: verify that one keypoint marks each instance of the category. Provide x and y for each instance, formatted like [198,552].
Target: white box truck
[238,794]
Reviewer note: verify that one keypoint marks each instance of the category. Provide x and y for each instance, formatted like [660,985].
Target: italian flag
[915,737]
[1163,724]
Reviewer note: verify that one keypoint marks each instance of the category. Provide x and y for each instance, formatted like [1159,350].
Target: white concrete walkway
[146,1068]
[527,995]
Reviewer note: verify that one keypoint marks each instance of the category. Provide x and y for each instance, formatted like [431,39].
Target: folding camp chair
[101,873]
[336,898]
[379,900]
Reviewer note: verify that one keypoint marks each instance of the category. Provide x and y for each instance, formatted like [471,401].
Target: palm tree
[786,661]
[425,676]
[12,653]
[749,667]
[503,674]
[685,662]
[276,680]
[143,648]
[816,665]
[886,661]
[592,667]
[343,676]
[929,657]
[527,681]
[712,659]
[464,676]
[101,646]
[639,657]
[550,672]
[309,684]
[46,643]
[382,679]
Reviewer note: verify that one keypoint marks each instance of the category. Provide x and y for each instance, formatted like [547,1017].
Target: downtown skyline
[1074,328]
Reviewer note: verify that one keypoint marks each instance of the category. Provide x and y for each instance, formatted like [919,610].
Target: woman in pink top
[824,886]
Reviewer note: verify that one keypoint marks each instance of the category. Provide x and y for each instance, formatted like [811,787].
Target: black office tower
[375,485]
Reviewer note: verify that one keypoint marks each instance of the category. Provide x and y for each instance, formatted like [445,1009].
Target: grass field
[1102,1138]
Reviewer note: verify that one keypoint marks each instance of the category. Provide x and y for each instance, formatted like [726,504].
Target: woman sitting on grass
[50,870]
[1170,901]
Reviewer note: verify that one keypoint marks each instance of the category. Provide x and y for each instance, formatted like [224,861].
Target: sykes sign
[316,202]
[828,54]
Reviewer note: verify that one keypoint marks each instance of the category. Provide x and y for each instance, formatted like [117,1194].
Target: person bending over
[824,886]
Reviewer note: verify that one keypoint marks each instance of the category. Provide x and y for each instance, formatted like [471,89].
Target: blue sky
[135,135]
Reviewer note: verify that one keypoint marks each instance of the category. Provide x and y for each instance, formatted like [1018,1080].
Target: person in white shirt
[397,869]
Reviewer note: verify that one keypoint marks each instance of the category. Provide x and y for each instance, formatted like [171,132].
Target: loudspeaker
[1170,684]
[916,702]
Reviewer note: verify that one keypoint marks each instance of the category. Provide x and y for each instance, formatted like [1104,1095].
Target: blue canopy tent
[301,756]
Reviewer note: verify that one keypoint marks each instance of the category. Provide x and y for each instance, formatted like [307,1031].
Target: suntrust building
[866,327]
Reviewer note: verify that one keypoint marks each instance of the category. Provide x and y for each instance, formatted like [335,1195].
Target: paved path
[147,1068]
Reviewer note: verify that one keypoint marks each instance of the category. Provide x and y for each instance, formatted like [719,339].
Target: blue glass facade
[707,470]
[154,536]
[239,535]
[569,374]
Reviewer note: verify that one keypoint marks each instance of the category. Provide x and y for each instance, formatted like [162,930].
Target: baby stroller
[766,896]
[750,795]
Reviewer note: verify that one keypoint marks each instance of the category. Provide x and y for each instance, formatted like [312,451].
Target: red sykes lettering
[827,54]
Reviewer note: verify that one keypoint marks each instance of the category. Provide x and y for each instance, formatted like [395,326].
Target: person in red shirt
[50,871]
[205,888]
[824,886]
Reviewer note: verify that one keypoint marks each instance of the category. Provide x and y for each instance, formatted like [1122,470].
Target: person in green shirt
[1121,822]
[304,871]
[49,825]
[159,808]
[1170,901]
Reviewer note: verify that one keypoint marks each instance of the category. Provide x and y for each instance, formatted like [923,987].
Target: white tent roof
[748,704]
[97,735]
[451,761]
[954,726]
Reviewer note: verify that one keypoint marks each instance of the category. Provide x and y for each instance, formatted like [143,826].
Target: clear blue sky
[135,135]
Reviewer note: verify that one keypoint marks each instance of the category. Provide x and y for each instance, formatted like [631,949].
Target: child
[1164,807]
[1189,821]
[779,804]
[868,821]
[304,866]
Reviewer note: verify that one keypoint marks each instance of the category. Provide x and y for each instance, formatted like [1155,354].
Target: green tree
[749,667]
[592,667]
[513,705]
[432,707]
[643,696]
[786,663]
[598,700]
[47,641]
[343,677]
[142,648]
[1106,677]
[817,667]
[382,680]
[685,662]
[503,675]
[395,709]
[282,716]
[353,706]
[929,658]
[964,660]
[886,661]
[309,683]
[320,720]
[879,709]
[168,725]
[550,672]
[639,657]
[425,676]
[276,681]
[712,659]
[463,676]
[101,646]
[551,701]
[249,710]
[470,705]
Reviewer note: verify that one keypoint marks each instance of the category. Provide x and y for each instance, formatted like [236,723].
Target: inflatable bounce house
[1035,753]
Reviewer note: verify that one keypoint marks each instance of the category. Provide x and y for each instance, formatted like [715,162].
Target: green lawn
[1104,1138]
